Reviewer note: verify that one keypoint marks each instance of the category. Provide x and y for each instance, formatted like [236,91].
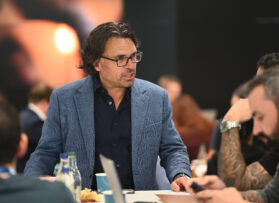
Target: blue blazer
[70,127]
[31,125]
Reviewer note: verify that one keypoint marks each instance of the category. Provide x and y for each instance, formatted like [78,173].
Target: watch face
[227,125]
[223,126]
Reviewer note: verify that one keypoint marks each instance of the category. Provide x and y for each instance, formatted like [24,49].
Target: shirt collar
[37,111]
[97,85]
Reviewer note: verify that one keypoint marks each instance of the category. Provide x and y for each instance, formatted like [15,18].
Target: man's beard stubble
[273,140]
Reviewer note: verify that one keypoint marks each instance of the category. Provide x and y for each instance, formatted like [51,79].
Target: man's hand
[48,178]
[209,182]
[179,184]
[239,112]
[227,195]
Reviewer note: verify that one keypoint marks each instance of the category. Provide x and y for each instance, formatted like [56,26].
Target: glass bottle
[200,164]
[76,175]
[63,162]
[64,175]
[202,152]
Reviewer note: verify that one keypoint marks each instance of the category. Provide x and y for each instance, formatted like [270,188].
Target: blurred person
[258,173]
[65,11]
[267,61]
[262,102]
[32,119]
[231,165]
[17,188]
[252,147]
[194,128]
[9,15]
[17,72]
[215,190]
[110,112]
[238,93]
[173,86]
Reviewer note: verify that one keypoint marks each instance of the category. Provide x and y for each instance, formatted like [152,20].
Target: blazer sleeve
[46,155]
[173,152]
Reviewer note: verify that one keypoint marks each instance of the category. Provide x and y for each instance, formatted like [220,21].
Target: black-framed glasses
[123,60]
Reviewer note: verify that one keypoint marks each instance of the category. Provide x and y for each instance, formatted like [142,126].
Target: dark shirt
[113,134]
[270,162]
[270,192]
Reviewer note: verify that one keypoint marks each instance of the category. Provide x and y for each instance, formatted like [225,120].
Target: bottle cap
[71,154]
[64,156]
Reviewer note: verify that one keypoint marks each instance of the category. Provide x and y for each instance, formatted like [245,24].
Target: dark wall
[219,45]
[154,22]
[213,46]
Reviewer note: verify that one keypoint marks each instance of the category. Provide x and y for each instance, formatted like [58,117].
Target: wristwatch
[180,175]
[227,125]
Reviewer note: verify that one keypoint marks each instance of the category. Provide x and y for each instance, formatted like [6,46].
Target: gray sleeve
[270,192]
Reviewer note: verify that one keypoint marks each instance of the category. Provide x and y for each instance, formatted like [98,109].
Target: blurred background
[212,46]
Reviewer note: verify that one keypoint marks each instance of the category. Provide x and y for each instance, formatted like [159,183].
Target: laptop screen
[114,183]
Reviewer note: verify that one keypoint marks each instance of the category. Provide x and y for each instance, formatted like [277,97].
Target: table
[150,195]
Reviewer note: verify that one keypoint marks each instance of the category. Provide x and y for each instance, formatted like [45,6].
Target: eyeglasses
[123,60]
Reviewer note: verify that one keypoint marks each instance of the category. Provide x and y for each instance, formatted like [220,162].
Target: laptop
[114,183]
[113,179]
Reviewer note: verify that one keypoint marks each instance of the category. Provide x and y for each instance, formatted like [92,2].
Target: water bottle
[76,176]
[64,175]
[200,165]
[63,161]
[202,152]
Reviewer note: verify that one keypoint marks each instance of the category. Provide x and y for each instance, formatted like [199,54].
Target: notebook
[113,179]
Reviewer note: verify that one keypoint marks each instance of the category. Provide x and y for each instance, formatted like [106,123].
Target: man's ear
[97,64]
[22,146]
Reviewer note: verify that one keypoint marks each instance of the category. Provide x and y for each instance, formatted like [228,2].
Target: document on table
[177,198]
[164,196]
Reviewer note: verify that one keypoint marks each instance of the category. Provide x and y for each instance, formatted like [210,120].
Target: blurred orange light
[65,39]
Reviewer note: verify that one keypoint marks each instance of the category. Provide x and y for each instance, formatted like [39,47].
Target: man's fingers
[175,187]
[203,195]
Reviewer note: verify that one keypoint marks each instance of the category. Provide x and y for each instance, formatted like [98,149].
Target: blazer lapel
[139,103]
[85,109]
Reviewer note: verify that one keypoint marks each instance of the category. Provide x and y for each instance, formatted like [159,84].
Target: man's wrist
[180,175]
[227,125]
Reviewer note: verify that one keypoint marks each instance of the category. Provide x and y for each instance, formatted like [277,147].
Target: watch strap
[180,175]
[227,125]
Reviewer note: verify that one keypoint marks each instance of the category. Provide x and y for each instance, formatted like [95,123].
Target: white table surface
[150,195]
[147,196]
